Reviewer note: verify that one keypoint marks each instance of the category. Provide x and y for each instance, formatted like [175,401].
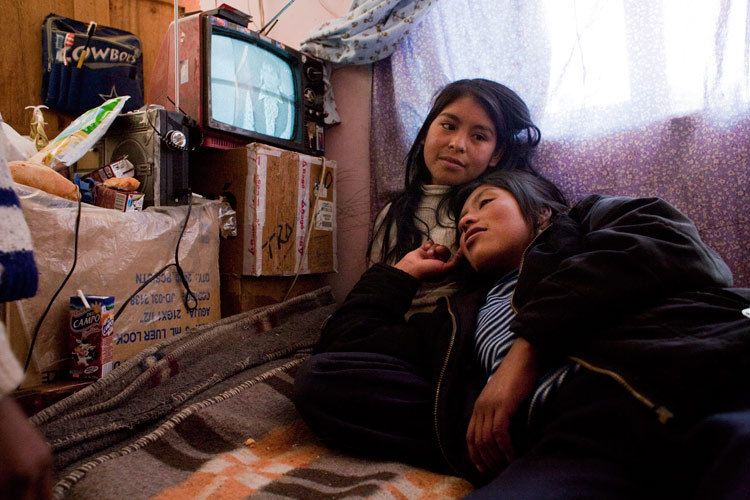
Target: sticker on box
[324,216]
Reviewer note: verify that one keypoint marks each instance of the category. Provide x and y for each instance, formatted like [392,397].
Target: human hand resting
[25,458]
[428,261]
[488,435]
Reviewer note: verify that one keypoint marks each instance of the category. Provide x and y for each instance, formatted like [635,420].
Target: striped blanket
[209,415]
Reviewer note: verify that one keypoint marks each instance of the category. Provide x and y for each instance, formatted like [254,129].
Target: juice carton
[90,336]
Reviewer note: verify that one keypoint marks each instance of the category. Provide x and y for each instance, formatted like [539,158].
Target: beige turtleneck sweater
[426,220]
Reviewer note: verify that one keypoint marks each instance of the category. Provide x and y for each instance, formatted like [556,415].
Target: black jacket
[627,285]
[622,286]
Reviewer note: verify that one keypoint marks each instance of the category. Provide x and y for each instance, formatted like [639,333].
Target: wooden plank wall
[21,53]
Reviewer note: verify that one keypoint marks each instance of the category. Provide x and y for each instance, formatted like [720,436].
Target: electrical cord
[189,300]
[59,289]
[313,216]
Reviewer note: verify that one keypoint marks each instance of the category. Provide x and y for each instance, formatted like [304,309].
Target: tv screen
[252,88]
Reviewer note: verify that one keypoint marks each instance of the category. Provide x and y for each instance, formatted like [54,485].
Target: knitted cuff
[18,275]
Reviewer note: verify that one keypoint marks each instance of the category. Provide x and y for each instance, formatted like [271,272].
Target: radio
[155,141]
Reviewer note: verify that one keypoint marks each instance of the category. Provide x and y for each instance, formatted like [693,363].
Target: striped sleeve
[492,337]
[18,272]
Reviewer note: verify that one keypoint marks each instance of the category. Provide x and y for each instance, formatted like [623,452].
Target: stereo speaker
[155,141]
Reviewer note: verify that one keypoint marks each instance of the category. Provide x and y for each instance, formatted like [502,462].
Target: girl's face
[460,143]
[494,232]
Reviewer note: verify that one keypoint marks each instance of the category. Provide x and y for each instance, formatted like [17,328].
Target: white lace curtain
[584,66]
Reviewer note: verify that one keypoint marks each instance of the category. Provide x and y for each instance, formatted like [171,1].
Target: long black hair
[535,194]
[517,137]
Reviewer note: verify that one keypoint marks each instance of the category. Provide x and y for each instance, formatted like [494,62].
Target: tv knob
[176,140]
[314,73]
[310,95]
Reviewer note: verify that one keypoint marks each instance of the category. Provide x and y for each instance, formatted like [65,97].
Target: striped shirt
[493,339]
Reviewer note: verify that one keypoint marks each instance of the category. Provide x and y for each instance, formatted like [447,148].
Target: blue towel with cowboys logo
[113,66]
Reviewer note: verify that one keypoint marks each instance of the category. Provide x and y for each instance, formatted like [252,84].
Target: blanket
[209,414]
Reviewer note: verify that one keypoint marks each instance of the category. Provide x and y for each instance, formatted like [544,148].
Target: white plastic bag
[117,252]
[17,147]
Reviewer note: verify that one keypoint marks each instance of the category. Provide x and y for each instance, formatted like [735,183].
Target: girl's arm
[371,319]
[488,434]
[25,458]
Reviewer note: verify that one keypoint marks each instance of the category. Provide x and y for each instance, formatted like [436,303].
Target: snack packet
[81,135]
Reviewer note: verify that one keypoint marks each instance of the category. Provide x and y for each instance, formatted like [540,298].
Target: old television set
[240,86]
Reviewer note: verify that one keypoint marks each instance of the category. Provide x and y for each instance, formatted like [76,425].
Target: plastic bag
[117,252]
[227,219]
[81,135]
[17,147]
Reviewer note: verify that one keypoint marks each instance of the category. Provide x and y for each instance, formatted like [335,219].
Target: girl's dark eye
[447,126]
[479,137]
[484,202]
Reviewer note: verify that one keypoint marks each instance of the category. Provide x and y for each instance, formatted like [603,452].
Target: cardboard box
[124,201]
[37,398]
[120,168]
[244,293]
[286,209]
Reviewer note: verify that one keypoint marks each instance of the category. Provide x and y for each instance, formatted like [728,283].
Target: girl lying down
[592,353]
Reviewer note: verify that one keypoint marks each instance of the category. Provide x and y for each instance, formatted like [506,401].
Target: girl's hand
[25,458]
[428,261]
[488,436]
